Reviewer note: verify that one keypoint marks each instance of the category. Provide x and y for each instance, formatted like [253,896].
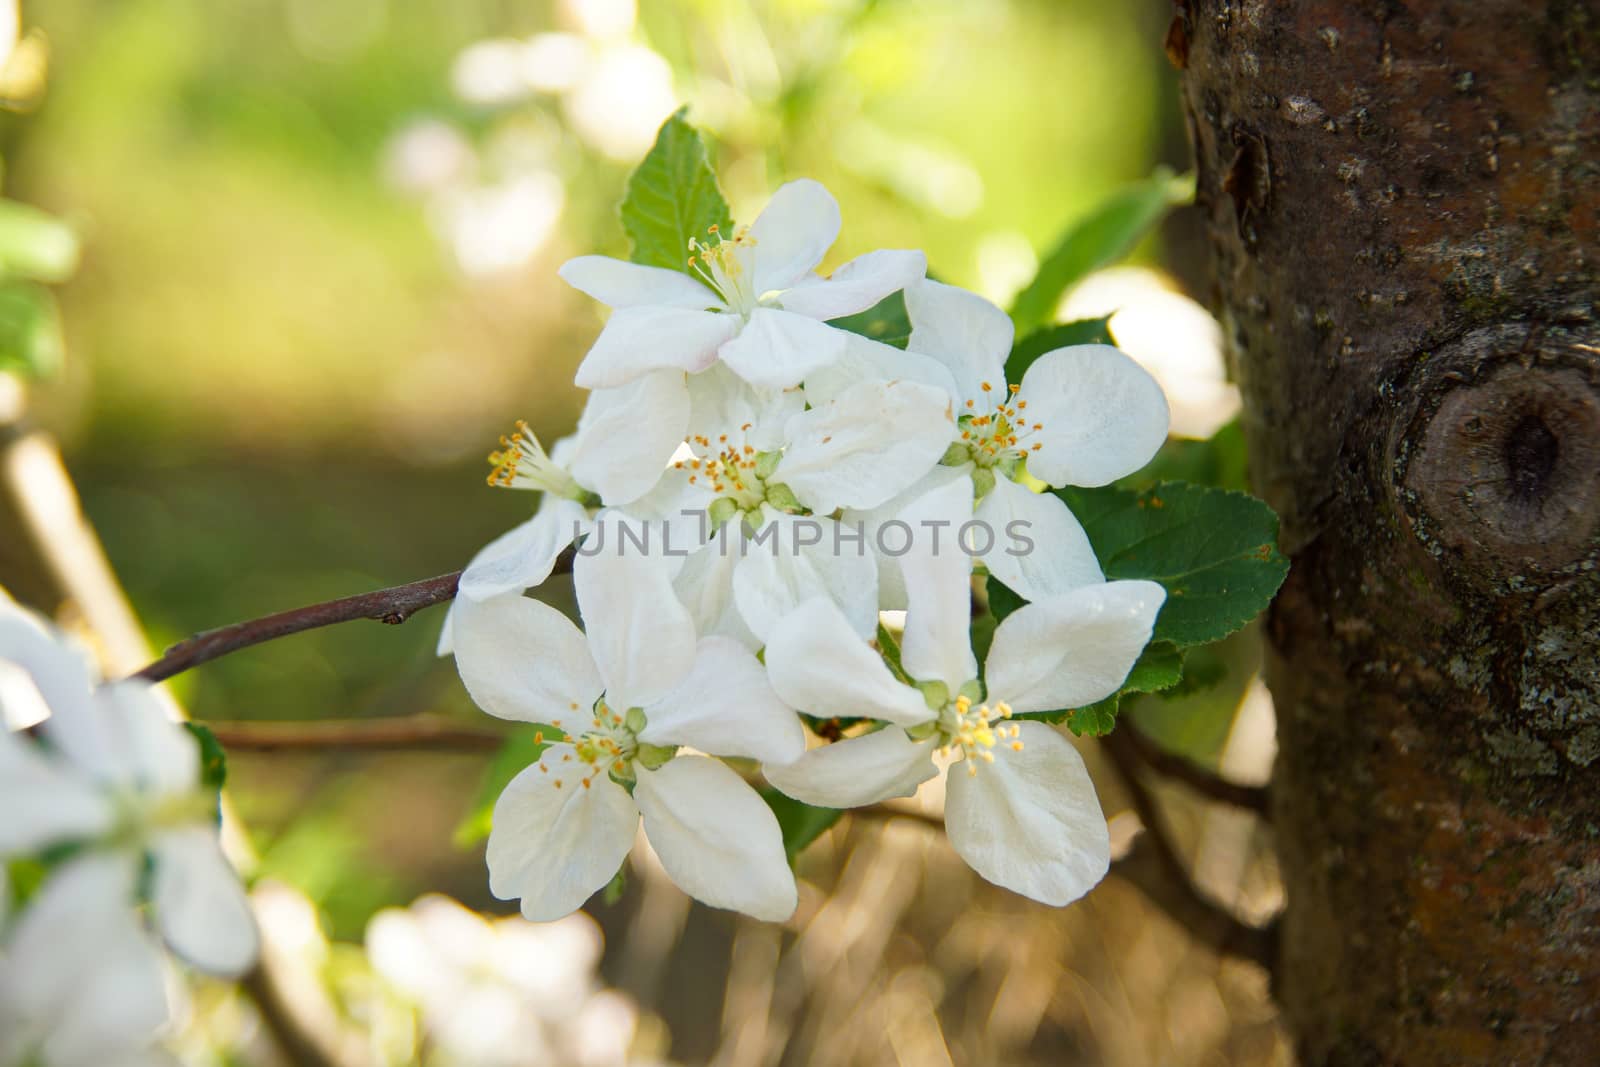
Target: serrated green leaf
[522,749]
[1096,720]
[801,823]
[34,245]
[673,196]
[213,760]
[30,330]
[886,321]
[1100,238]
[1079,332]
[1215,551]
[1159,667]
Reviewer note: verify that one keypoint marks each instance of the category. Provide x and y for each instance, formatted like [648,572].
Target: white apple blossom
[120,778]
[81,983]
[752,300]
[1024,813]
[623,442]
[626,690]
[757,462]
[502,992]
[1083,415]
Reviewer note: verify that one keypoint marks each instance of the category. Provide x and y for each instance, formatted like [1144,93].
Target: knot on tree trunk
[1499,470]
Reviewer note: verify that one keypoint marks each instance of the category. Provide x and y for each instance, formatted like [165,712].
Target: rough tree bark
[1402,200]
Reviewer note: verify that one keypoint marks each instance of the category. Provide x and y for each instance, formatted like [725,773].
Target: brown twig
[392,606]
[1154,868]
[1249,797]
[393,733]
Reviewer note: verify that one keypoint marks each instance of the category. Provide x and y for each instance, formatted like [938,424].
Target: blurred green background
[318,281]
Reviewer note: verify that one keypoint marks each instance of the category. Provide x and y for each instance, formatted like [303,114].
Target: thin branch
[392,606]
[1154,868]
[394,733]
[1250,797]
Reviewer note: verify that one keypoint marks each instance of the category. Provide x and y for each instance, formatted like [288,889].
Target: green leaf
[1215,551]
[213,760]
[30,330]
[1218,461]
[1096,720]
[1105,235]
[801,823]
[1002,600]
[35,246]
[671,197]
[522,749]
[1080,332]
[890,649]
[616,887]
[1159,667]
[886,321]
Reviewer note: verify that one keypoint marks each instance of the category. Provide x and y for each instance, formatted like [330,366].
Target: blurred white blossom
[502,992]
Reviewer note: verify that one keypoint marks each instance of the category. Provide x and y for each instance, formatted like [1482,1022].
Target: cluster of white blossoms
[106,816]
[730,487]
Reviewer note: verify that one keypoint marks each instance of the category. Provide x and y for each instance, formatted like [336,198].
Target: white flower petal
[1074,649]
[889,539]
[937,571]
[725,706]
[627,435]
[640,635]
[155,750]
[817,664]
[78,971]
[866,360]
[1030,821]
[857,771]
[45,800]
[553,845]
[117,1007]
[60,670]
[1104,416]
[54,939]
[524,660]
[777,350]
[962,330]
[523,557]
[620,284]
[203,912]
[857,285]
[705,586]
[799,558]
[721,403]
[446,645]
[869,444]
[1039,549]
[716,837]
[791,235]
[638,340]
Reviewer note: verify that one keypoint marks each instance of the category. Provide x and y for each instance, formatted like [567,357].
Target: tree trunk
[1402,201]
